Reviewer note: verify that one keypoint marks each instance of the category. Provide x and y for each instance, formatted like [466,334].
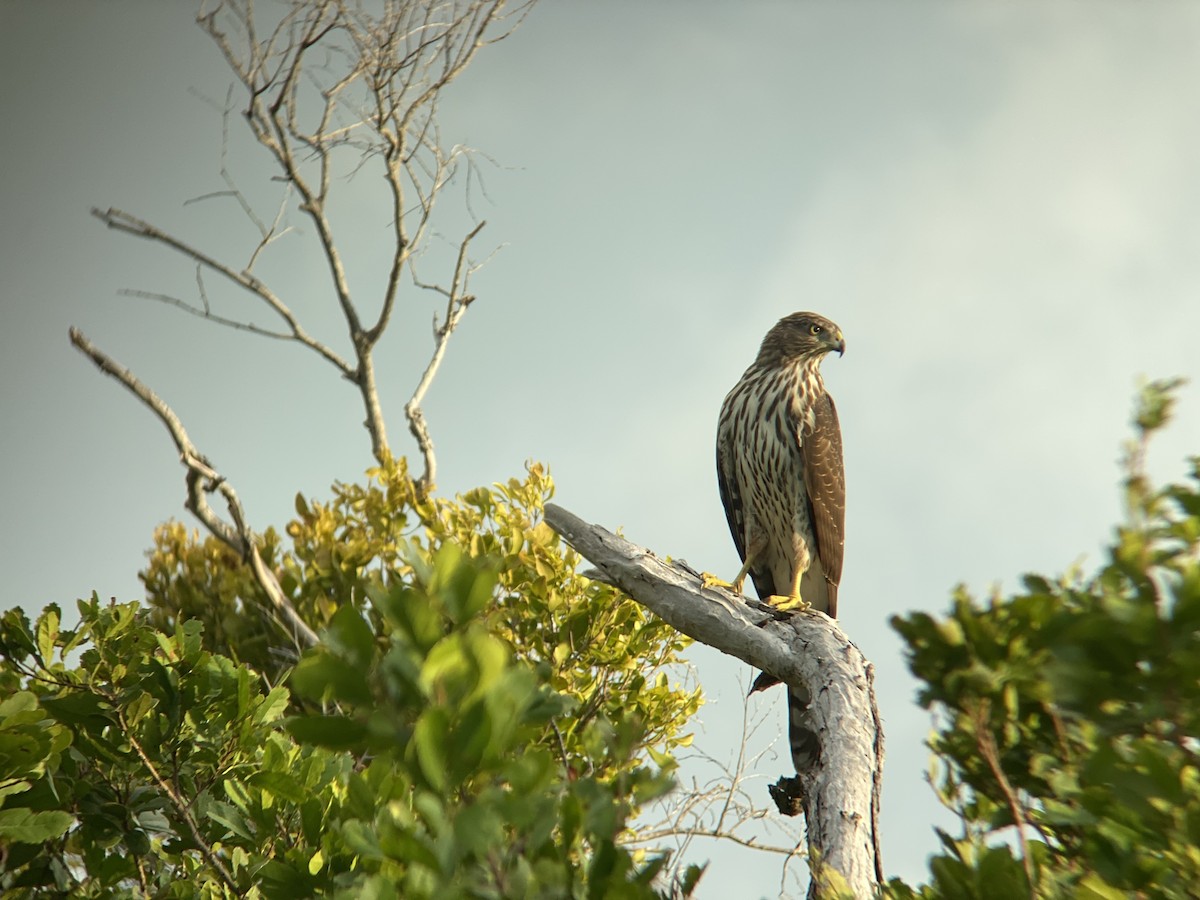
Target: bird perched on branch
[783,485]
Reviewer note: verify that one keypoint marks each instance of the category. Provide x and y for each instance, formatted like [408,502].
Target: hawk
[783,485]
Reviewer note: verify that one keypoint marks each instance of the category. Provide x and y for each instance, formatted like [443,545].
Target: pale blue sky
[998,202]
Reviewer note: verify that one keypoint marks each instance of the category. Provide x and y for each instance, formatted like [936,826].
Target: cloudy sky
[998,202]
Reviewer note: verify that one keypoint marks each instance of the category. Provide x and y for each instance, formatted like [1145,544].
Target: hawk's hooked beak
[836,342]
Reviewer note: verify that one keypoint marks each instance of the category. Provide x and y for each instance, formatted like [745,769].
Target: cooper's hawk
[783,485]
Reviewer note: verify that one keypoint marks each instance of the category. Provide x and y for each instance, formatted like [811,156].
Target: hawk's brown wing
[731,497]
[825,483]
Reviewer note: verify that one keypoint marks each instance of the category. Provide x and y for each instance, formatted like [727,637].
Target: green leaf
[334,732]
[431,742]
[11,788]
[47,632]
[691,878]
[479,828]
[323,677]
[20,702]
[1093,887]
[350,637]
[271,707]
[1155,402]
[231,817]
[360,838]
[28,827]
[279,784]
[411,613]
[16,639]
[81,709]
[286,881]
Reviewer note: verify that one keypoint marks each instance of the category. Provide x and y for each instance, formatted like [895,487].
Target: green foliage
[592,643]
[1072,708]
[462,730]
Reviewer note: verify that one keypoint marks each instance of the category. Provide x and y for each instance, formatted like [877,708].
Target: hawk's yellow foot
[787,604]
[739,580]
[708,579]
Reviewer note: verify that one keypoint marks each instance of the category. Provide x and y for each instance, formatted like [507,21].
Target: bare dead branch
[806,649]
[877,787]
[334,74]
[718,834]
[457,302]
[123,221]
[203,479]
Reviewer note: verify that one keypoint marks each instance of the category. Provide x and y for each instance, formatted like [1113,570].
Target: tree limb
[130,224]
[456,305]
[986,742]
[202,479]
[806,648]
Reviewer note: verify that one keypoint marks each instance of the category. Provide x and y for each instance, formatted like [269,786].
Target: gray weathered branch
[202,479]
[840,794]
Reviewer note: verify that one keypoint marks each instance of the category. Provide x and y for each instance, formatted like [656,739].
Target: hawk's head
[798,337]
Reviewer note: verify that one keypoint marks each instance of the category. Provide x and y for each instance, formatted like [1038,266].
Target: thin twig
[456,305]
[123,221]
[719,809]
[717,834]
[206,313]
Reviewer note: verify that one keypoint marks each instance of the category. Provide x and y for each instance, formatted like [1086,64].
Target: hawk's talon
[787,604]
[709,580]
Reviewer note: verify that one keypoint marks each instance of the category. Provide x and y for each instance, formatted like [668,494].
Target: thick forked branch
[840,794]
[202,479]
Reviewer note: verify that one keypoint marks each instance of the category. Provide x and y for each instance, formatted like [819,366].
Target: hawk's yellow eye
[814,329]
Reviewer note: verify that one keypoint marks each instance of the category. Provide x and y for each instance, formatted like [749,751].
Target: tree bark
[840,794]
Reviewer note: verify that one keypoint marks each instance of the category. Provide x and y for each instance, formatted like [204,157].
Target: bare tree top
[329,88]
